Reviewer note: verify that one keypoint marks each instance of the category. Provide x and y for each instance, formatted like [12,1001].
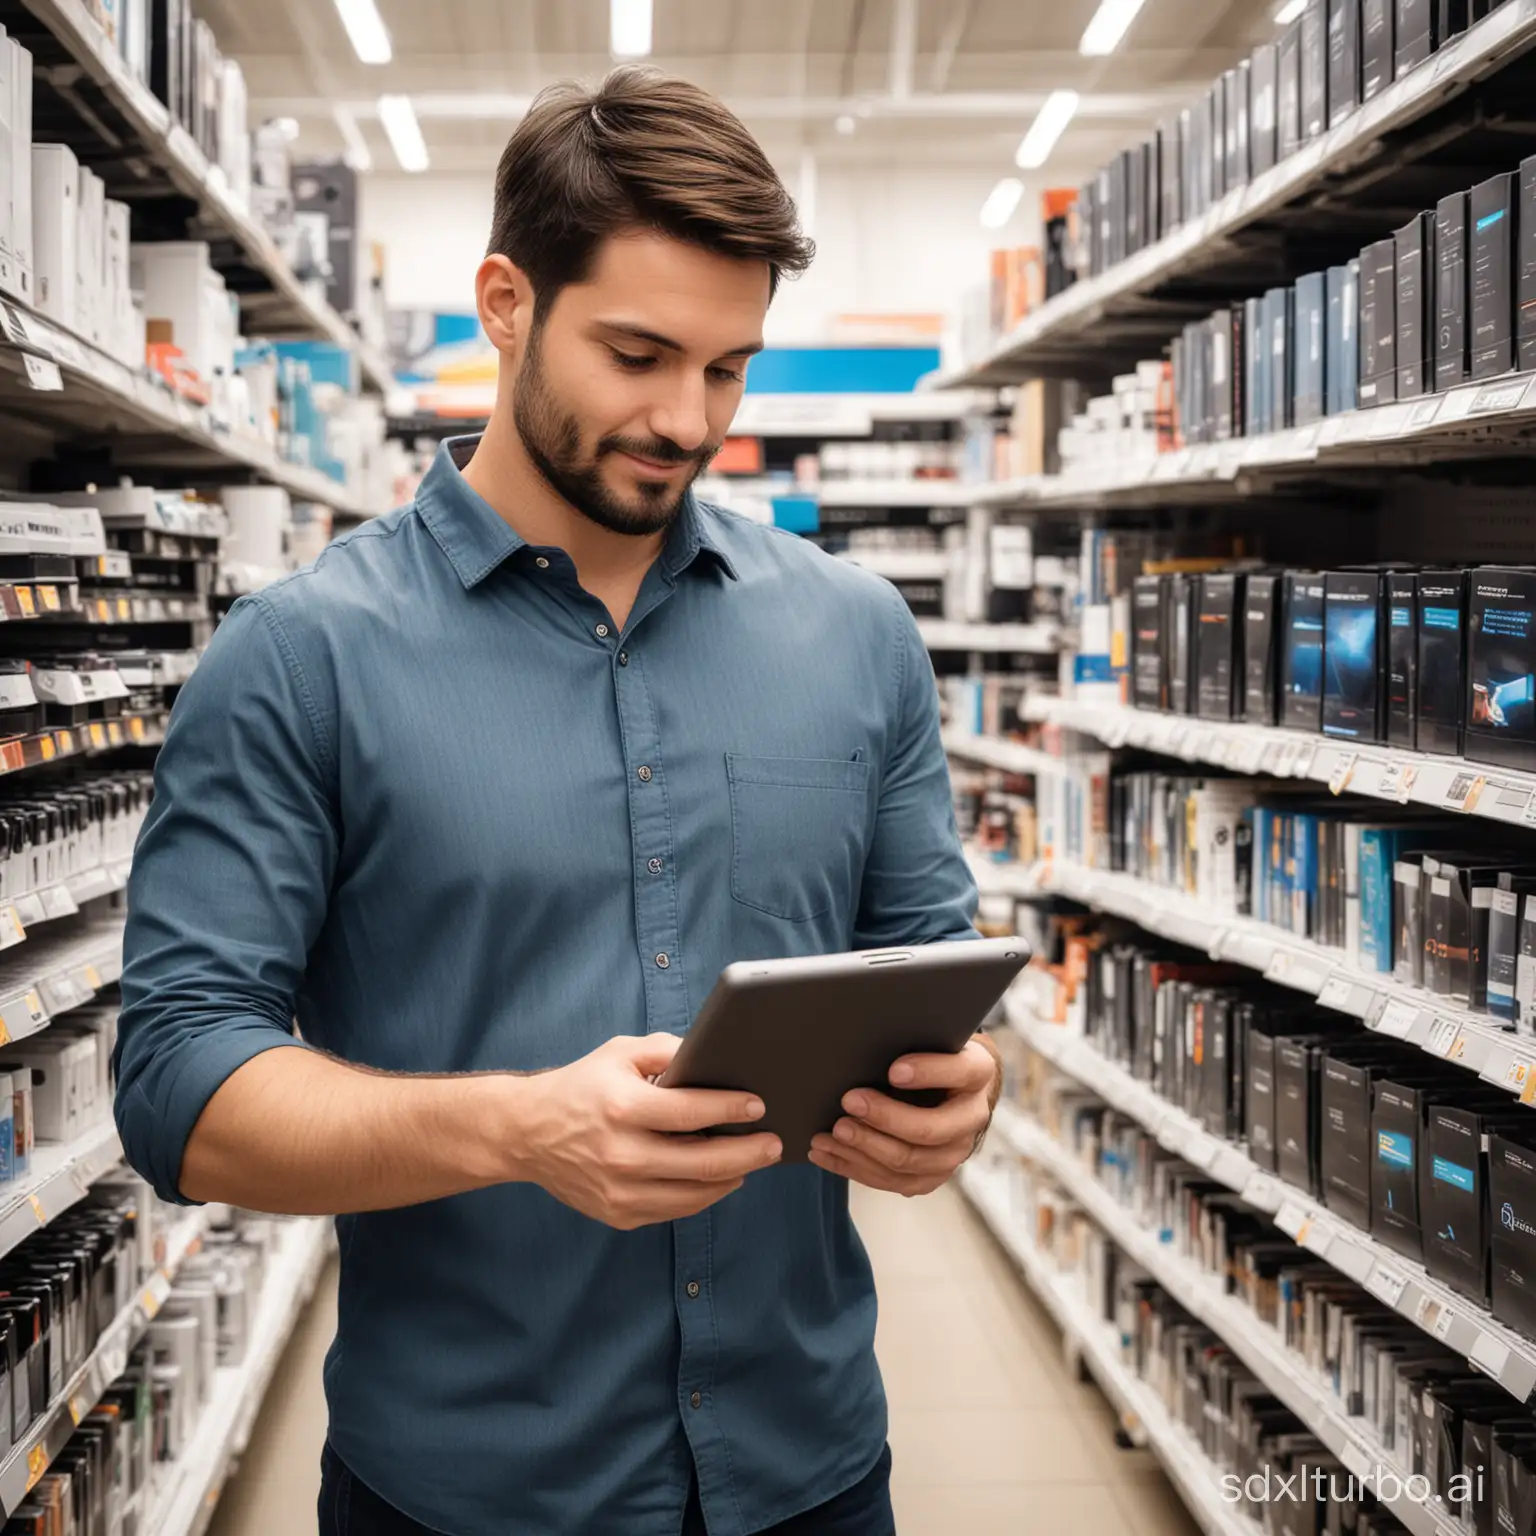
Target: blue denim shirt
[423,799]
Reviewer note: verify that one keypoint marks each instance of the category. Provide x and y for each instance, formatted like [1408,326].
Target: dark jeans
[348,1507]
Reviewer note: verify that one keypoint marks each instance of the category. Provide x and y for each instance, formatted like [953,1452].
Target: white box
[179,285]
[21,165]
[56,230]
[89,250]
[119,323]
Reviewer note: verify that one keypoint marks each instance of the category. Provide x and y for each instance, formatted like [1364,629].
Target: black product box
[1354,654]
[1260,1111]
[1397,1123]
[1341,349]
[1310,328]
[1261,603]
[1295,1159]
[1170,159]
[1512,1193]
[1378,323]
[1492,212]
[1288,91]
[1182,600]
[1415,309]
[1378,64]
[1134,174]
[1149,664]
[1343,59]
[1525,268]
[1262,116]
[1452,297]
[1344,1161]
[1501,667]
[1402,660]
[1453,20]
[1216,144]
[1279,324]
[1239,124]
[1218,665]
[1416,39]
[1255,370]
[1454,1200]
[1440,635]
[1314,70]
[1088,226]
[1301,650]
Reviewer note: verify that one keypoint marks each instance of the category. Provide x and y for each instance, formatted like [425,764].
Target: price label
[37,1464]
[1251,756]
[76,1411]
[1397,1018]
[1336,993]
[1517,1075]
[1343,773]
[1425,412]
[1387,1283]
[1443,1037]
[1279,966]
[1489,1355]
[1443,1323]
[136,728]
[93,978]
[1498,397]
[1276,757]
[49,597]
[1464,791]
[25,601]
[150,1301]
[42,373]
[98,735]
[37,1210]
[1290,1218]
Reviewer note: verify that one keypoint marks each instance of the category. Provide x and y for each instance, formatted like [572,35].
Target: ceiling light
[359,156]
[1289,12]
[365,27]
[1001,201]
[399,119]
[1049,124]
[629,28]
[1102,35]
[288,127]
[846,123]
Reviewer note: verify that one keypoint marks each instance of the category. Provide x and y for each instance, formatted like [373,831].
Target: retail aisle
[991,1436]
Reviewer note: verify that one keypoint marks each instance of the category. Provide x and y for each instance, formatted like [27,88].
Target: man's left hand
[887,1144]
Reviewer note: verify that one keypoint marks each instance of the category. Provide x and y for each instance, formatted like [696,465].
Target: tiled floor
[990,1433]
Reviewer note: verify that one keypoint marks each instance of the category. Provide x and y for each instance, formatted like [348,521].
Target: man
[486,799]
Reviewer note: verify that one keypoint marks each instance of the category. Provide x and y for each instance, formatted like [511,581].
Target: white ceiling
[977,73]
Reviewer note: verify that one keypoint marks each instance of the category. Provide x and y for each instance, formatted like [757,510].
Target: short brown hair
[643,151]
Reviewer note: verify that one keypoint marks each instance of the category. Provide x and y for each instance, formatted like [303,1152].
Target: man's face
[628,384]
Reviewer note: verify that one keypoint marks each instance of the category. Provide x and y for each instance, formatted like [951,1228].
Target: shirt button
[542,563]
[655,866]
[602,631]
[697,1400]
[693,1290]
[623,658]
[663,961]
[644,774]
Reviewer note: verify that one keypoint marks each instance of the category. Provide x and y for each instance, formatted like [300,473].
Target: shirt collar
[477,539]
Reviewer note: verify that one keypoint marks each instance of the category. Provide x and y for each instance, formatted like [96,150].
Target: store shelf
[1256,1344]
[1031,639]
[1098,1346]
[1423,1019]
[892,493]
[850,415]
[1397,1282]
[82,741]
[1071,325]
[185,1496]
[996,752]
[108,98]
[30,1459]
[1356,768]
[902,564]
[61,1174]
[53,974]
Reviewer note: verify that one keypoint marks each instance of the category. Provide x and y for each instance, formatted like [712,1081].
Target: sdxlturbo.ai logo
[1315,1485]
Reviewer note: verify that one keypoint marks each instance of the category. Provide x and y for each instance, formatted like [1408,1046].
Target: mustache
[662,449]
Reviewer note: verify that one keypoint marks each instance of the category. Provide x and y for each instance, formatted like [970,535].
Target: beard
[551,437]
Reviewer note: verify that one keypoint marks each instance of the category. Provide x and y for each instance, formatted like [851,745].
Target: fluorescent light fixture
[359,157]
[1289,12]
[1001,201]
[365,27]
[1049,125]
[399,119]
[1102,35]
[629,28]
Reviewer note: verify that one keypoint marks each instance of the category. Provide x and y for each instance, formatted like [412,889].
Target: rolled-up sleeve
[917,886]
[229,885]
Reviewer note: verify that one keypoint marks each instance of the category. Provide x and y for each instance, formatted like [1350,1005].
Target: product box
[1454,18]
[1182,600]
[1279,324]
[21,170]
[1218,657]
[1149,653]
[1402,659]
[1502,965]
[1311,306]
[1415,312]
[1301,650]
[1341,350]
[56,227]
[1453,361]
[1440,637]
[1416,39]
[1378,323]
[1288,91]
[1263,150]
[1493,212]
[1397,1119]
[1314,70]
[1343,59]
[1354,655]
[1525,291]
[1378,35]
[1512,1195]
[91,201]
[1454,1196]
[1261,604]
[1170,159]
[1501,667]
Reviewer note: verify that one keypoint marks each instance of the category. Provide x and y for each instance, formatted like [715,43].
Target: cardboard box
[1493,212]
[1453,359]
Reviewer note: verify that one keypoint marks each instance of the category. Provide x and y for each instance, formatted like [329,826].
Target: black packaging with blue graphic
[1454,1195]
[1355,655]
[1402,660]
[1512,1209]
[1301,651]
[1440,633]
[1396,1127]
[1501,667]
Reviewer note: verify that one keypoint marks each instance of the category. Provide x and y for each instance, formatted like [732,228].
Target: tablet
[800,1033]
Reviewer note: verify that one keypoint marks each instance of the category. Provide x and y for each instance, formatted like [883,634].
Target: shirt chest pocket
[798,829]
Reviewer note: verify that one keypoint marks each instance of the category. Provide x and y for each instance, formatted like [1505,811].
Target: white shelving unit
[1256,1344]
[1030,639]
[995,752]
[1397,1282]
[1098,1345]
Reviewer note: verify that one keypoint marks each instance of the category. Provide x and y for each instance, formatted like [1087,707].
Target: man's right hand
[602,1138]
